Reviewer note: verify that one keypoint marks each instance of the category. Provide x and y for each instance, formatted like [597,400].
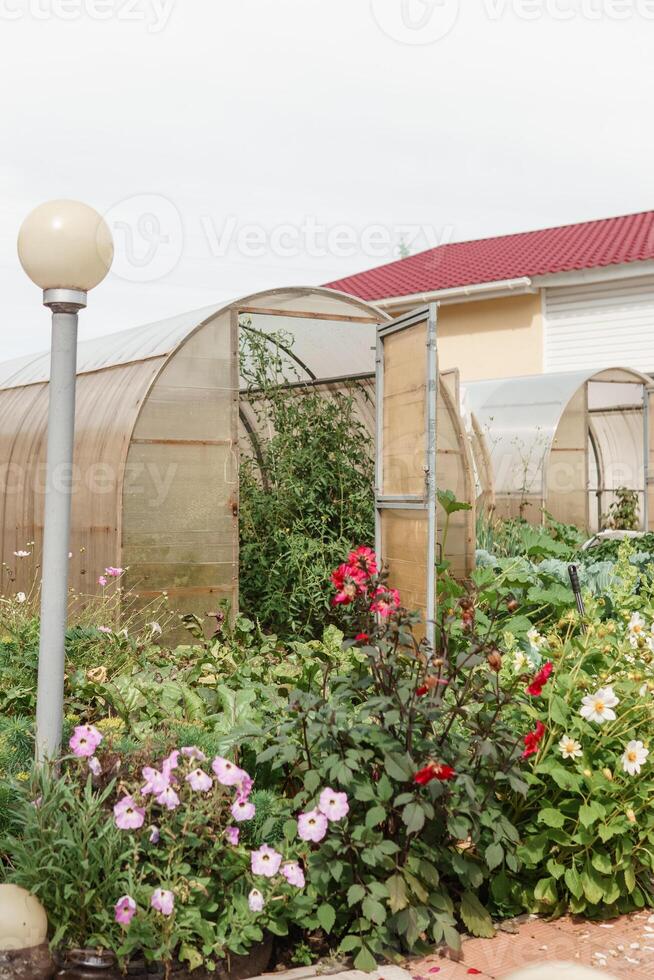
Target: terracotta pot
[26,964]
[89,964]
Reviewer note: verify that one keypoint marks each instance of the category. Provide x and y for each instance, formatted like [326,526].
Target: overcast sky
[244,144]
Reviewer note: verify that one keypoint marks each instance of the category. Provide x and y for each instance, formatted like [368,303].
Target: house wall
[491,338]
[600,324]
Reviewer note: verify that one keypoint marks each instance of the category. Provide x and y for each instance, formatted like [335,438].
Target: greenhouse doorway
[618,444]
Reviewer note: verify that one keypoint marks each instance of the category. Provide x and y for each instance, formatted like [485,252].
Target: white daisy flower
[520,661]
[536,641]
[22,554]
[599,707]
[570,748]
[21,597]
[636,629]
[635,756]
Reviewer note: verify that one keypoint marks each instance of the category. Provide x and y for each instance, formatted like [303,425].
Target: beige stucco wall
[493,338]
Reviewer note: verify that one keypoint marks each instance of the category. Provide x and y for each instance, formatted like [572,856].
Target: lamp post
[65,247]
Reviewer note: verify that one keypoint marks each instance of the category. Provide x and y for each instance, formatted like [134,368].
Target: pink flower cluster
[332,807]
[83,743]
[163,785]
[110,572]
[355,578]
[162,900]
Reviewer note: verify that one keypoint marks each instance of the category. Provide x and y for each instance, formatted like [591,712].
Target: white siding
[600,325]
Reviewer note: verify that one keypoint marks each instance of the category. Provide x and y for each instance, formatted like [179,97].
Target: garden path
[623,947]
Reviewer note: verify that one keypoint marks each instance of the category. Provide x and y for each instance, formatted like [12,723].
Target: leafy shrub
[586,826]
[68,853]
[428,752]
[305,499]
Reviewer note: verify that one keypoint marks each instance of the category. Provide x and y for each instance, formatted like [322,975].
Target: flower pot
[89,964]
[34,963]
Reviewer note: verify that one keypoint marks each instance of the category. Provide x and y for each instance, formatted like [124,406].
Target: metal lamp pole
[64,304]
[66,248]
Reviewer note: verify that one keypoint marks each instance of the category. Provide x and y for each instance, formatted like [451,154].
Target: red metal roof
[589,245]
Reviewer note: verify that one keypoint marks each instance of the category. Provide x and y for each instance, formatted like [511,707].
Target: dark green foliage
[306,500]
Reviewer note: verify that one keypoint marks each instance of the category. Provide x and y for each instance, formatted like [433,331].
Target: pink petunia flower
[193,753]
[84,741]
[155,782]
[170,763]
[312,826]
[199,781]
[232,834]
[244,786]
[243,810]
[155,835]
[163,901]
[265,861]
[334,805]
[227,773]
[293,874]
[128,815]
[168,798]
[124,910]
[94,766]
[255,900]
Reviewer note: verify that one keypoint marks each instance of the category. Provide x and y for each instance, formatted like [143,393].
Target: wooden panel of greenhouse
[565,444]
[155,481]
[421,447]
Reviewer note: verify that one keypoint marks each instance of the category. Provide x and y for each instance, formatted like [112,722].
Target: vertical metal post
[432,415]
[646,397]
[65,305]
[379,440]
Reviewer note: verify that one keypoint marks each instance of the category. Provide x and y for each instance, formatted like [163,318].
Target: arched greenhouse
[566,443]
[161,415]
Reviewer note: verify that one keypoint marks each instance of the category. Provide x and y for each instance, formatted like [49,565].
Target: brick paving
[623,947]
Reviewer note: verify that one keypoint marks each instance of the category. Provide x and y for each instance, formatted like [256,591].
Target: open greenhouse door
[405,477]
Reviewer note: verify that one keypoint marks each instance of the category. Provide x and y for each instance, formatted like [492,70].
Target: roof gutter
[462,294]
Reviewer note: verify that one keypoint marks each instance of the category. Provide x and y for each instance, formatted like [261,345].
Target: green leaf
[326,917]
[494,856]
[573,882]
[601,862]
[590,813]
[365,961]
[555,869]
[551,817]
[414,817]
[592,888]
[545,891]
[398,766]
[475,916]
[311,780]
[374,910]
[355,894]
[397,899]
[375,815]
